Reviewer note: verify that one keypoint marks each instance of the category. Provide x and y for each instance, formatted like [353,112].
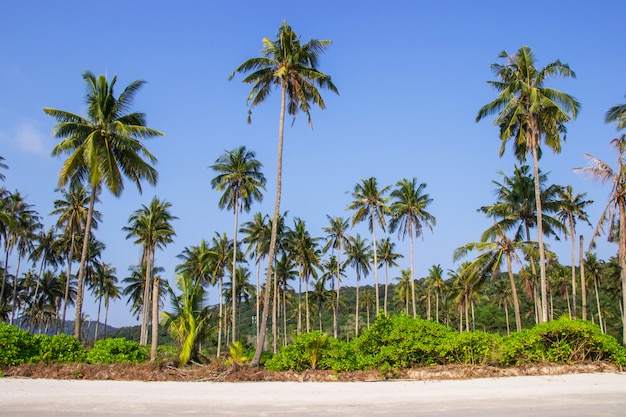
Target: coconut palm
[516,211]
[573,209]
[292,67]
[104,288]
[388,258]
[258,232]
[410,216]
[103,147]
[359,255]
[614,214]
[503,294]
[197,263]
[134,287]
[370,204]
[72,210]
[151,227]
[336,239]
[303,249]
[222,247]
[403,289]
[435,275]
[188,323]
[617,114]
[530,113]
[594,271]
[240,180]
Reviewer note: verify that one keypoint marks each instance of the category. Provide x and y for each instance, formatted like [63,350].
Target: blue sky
[411,75]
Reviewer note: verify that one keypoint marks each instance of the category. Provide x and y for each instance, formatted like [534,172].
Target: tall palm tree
[45,250]
[134,287]
[197,263]
[104,287]
[222,247]
[359,255]
[516,211]
[530,113]
[388,258]
[617,114]
[292,67]
[151,227]
[573,209]
[614,214]
[370,205]
[72,210]
[403,289]
[258,232]
[594,272]
[303,250]
[410,216]
[103,147]
[336,239]
[503,294]
[435,273]
[241,181]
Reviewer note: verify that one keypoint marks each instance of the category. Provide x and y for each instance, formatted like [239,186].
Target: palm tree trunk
[256,360]
[233,287]
[600,322]
[95,337]
[336,318]
[622,261]
[14,295]
[155,318]
[375,261]
[275,305]
[542,253]
[356,318]
[299,329]
[306,304]
[220,318]
[506,315]
[518,318]
[147,288]
[386,285]
[83,264]
[106,316]
[68,276]
[258,305]
[573,236]
[412,272]
[583,284]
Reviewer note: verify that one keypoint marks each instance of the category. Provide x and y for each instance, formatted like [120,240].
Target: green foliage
[308,351]
[116,350]
[562,341]
[59,348]
[16,346]
[471,348]
[237,355]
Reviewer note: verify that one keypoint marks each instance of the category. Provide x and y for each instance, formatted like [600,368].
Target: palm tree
[388,258]
[72,212]
[104,287]
[435,274]
[367,300]
[336,239]
[103,148]
[188,323]
[603,172]
[258,232]
[403,289]
[134,287]
[572,209]
[241,181]
[617,114]
[292,67]
[493,247]
[303,250]
[529,112]
[359,257]
[409,216]
[516,210]
[594,270]
[222,247]
[197,263]
[151,228]
[371,205]
[503,294]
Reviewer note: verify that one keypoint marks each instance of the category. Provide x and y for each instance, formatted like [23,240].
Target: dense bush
[116,350]
[59,348]
[401,342]
[562,341]
[16,346]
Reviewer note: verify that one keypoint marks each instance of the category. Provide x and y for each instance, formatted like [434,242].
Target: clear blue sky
[411,74]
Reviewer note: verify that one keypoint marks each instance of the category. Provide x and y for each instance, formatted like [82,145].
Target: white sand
[566,395]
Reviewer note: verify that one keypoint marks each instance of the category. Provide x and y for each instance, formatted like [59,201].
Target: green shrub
[308,351]
[59,348]
[116,350]
[471,348]
[562,341]
[16,346]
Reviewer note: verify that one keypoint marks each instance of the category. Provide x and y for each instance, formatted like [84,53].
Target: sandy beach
[560,395]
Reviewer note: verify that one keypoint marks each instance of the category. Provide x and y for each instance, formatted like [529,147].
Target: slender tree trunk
[600,321]
[542,253]
[258,288]
[299,329]
[220,321]
[155,318]
[375,261]
[583,284]
[83,264]
[68,277]
[356,314]
[573,236]
[306,304]
[412,270]
[14,306]
[275,304]
[106,316]
[95,337]
[428,305]
[336,318]
[506,315]
[234,273]
[256,360]
[147,289]
[518,318]
[386,285]
[622,259]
